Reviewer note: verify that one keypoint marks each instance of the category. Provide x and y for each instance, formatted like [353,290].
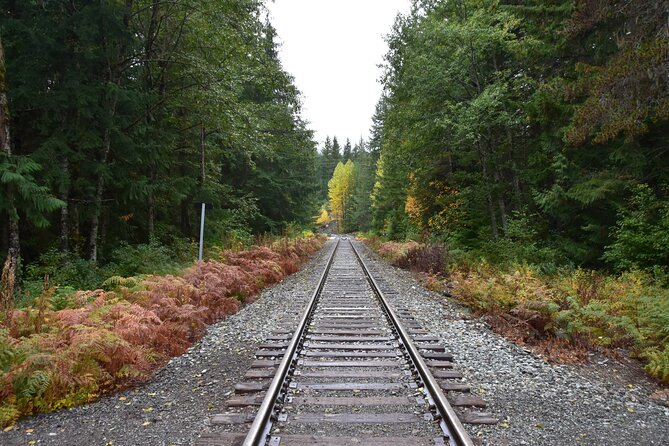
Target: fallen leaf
[122,398]
[30,431]
[8,428]
[148,409]
[146,423]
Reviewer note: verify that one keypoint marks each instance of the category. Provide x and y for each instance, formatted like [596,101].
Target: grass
[61,350]
[561,315]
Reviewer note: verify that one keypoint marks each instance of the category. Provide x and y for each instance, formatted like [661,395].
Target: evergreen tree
[346,154]
[335,154]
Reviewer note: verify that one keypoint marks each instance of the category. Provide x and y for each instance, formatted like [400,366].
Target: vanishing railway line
[350,366]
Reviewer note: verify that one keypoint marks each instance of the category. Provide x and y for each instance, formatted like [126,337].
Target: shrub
[393,251]
[63,269]
[658,362]
[424,259]
[587,308]
[641,236]
[148,258]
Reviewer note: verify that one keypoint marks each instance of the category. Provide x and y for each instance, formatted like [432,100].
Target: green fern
[9,413]
[115,282]
[36,384]
[658,363]
[8,354]
[35,200]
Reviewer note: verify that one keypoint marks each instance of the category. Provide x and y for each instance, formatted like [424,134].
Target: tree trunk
[14,251]
[152,206]
[14,246]
[202,147]
[100,186]
[493,217]
[152,218]
[149,85]
[65,210]
[97,205]
[514,168]
[489,199]
[500,200]
[114,75]
[186,228]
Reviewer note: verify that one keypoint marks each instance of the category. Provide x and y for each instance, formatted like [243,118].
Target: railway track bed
[348,367]
[538,403]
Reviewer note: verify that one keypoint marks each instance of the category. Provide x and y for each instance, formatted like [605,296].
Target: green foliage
[152,258]
[658,363]
[522,242]
[31,198]
[112,109]
[641,235]
[63,270]
[63,297]
[116,282]
[68,272]
[551,110]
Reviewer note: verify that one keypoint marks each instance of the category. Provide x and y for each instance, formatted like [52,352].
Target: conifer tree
[346,153]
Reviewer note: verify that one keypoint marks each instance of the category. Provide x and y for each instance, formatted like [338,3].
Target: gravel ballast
[538,403]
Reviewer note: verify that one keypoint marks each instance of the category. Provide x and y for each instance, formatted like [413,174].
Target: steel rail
[448,415]
[259,430]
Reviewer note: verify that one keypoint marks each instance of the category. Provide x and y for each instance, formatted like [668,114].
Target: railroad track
[349,367]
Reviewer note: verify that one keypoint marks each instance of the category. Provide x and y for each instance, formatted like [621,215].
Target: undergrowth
[562,314]
[66,349]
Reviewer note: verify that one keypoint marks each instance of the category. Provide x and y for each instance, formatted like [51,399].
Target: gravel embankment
[173,407]
[538,403]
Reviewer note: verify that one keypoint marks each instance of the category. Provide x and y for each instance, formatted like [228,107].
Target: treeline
[346,176]
[123,115]
[534,130]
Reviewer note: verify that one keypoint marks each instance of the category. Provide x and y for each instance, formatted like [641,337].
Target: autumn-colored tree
[324,218]
[341,188]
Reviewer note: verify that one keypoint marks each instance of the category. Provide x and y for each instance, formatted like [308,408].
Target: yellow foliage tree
[324,218]
[340,191]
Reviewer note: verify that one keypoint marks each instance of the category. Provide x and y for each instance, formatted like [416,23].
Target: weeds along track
[348,367]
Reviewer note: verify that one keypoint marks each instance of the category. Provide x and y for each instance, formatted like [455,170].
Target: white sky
[333,49]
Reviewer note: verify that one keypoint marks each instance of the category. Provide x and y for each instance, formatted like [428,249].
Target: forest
[535,129]
[521,150]
[518,161]
[123,115]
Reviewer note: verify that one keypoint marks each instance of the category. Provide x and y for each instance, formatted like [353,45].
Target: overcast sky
[333,49]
